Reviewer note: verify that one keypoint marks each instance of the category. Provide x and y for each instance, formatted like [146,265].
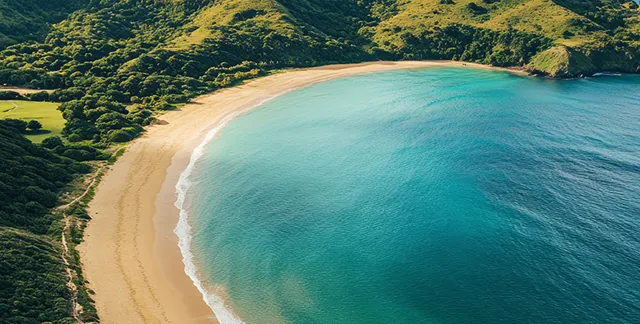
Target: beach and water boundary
[131,254]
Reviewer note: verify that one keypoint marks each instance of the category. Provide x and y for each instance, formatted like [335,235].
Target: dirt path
[77,199]
[76,307]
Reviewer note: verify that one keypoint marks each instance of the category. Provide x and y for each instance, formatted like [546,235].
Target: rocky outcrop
[567,62]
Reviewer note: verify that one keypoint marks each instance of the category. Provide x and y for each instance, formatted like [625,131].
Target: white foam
[183,228]
[606,74]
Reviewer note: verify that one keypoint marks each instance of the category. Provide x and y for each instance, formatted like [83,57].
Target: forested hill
[186,38]
[22,20]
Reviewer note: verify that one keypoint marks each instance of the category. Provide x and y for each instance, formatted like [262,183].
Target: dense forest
[32,280]
[24,20]
[116,64]
[32,277]
[30,179]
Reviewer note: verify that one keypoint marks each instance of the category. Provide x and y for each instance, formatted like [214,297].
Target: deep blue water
[440,195]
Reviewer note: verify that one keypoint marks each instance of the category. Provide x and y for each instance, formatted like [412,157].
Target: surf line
[183,229]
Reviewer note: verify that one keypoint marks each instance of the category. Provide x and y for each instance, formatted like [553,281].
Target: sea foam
[606,74]
[183,228]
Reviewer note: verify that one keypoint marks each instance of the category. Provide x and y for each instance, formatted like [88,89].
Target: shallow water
[442,195]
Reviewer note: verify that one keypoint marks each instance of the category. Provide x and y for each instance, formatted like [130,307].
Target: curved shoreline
[131,255]
[183,228]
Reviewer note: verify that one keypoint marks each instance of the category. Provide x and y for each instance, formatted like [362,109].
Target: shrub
[52,142]
[476,9]
[123,135]
[74,138]
[163,105]
[19,125]
[10,95]
[34,125]
[38,96]
[64,95]
[77,155]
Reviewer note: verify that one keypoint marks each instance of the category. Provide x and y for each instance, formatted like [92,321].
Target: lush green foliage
[30,180]
[32,280]
[467,43]
[96,119]
[32,276]
[10,95]
[34,125]
[31,19]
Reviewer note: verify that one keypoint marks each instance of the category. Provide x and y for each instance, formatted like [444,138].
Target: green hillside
[33,286]
[200,45]
[22,20]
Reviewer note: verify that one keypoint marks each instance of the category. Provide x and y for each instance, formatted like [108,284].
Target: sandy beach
[130,254]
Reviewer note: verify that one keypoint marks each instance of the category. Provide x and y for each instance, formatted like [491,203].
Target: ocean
[439,195]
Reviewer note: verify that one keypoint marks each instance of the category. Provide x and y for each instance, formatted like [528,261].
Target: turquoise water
[441,195]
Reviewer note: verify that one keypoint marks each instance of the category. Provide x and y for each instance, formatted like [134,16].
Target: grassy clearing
[574,41]
[193,38]
[45,112]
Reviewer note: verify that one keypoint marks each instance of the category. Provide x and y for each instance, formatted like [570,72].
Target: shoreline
[130,254]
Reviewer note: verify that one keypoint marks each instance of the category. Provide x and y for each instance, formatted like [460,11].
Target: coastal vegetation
[32,273]
[33,286]
[31,180]
[112,66]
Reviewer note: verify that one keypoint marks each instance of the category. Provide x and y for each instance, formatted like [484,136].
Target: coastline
[130,254]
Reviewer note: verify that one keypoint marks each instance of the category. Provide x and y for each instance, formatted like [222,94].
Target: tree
[34,125]
[17,124]
[111,121]
[10,95]
[39,96]
[52,142]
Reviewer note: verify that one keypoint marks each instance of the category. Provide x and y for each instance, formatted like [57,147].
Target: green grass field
[44,112]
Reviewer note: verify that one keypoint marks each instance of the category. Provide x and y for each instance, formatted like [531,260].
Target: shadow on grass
[38,132]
